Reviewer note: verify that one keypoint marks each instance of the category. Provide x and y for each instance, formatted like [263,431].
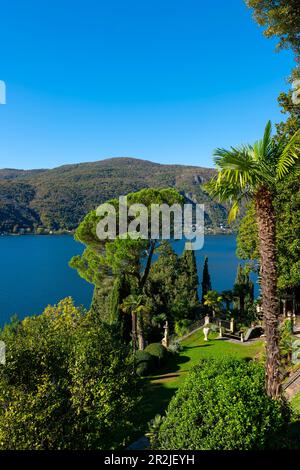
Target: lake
[35,271]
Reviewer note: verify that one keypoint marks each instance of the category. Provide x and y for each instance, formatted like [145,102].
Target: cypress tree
[119,292]
[206,281]
[240,275]
[190,267]
[100,305]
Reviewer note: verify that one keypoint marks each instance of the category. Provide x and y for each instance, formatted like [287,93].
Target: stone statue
[165,341]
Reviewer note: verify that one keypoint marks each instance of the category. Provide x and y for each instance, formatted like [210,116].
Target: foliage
[243,291]
[144,363]
[286,343]
[172,286]
[153,429]
[222,406]
[60,198]
[158,351]
[227,297]
[244,170]
[175,347]
[254,171]
[119,292]
[134,304]
[122,255]
[287,207]
[281,19]
[290,125]
[67,383]
[247,238]
[206,281]
[182,327]
[101,300]
[213,301]
[189,267]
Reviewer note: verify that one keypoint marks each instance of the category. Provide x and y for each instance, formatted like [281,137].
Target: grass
[295,402]
[160,388]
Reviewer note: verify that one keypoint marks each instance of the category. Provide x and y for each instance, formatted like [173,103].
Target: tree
[288,127]
[134,304]
[172,287]
[122,256]
[206,281]
[286,343]
[213,300]
[189,266]
[254,171]
[281,18]
[227,296]
[120,290]
[247,237]
[67,383]
[243,289]
[287,208]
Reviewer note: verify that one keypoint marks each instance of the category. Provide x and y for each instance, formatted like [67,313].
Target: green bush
[67,383]
[144,363]
[222,406]
[182,327]
[175,347]
[158,352]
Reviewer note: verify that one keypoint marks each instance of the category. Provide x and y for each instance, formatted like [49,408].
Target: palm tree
[133,304]
[227,296]
[253,171]
[213,300]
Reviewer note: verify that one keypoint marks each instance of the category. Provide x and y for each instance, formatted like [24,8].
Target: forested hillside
[58,199]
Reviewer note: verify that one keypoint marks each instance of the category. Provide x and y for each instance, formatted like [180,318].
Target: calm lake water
[35,271]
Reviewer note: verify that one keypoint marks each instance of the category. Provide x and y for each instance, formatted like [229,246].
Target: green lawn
[159,389]
[296,402]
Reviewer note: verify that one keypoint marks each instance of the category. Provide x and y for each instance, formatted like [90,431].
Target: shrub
[158,351]
[222,406]
[175,347]
[182,327]
[67,383]
[144,363]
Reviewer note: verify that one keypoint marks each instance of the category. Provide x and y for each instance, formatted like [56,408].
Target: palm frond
[289,156]
[266,142]
[233,211]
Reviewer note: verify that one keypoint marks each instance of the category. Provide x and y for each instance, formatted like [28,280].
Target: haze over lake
[35,271]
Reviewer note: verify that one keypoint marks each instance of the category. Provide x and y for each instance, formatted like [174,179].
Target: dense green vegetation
[280,19]
[287,207]
[222,405]
[77,379]
[138,285]
[255,171]
[59,199]
[163,384]
[68,383]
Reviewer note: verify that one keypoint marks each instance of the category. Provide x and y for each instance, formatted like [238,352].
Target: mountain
[58,199]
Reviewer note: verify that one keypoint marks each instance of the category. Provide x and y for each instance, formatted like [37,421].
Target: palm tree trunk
[133,320]
[140,333]
[270,304]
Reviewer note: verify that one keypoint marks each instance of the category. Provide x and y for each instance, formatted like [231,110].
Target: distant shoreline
[71,233]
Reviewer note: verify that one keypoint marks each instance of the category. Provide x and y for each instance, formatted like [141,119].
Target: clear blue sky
[163,80]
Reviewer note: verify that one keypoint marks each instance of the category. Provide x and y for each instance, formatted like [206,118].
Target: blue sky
[163,80]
